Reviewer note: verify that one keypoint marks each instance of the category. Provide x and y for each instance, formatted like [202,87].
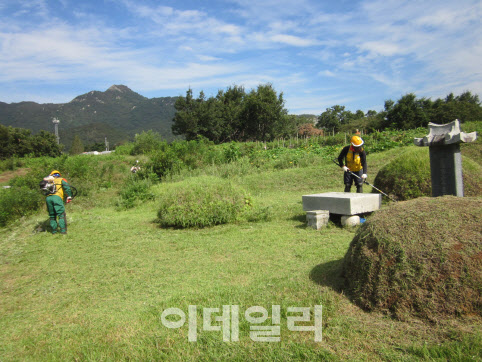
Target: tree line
[20,142]
[234,115]
[407,113]
[260,115]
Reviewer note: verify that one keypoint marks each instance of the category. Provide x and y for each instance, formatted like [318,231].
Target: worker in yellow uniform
[353,160]
[57,189]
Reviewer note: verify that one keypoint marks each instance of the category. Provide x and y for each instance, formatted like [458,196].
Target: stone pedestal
[342,203]
[317,218]
[444,142]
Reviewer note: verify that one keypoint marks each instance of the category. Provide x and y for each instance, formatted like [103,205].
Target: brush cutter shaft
[366,182]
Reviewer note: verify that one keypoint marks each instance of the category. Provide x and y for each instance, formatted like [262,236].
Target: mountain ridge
[122,111]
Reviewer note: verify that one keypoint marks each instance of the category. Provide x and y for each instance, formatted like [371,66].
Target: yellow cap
[54,172]
[356,141]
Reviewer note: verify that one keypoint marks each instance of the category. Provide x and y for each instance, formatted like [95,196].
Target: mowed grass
[99,292]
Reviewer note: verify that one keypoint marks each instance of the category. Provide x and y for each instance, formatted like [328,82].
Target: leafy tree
[465,107]
[6,146]
[233,115]
[408,112]
[209,114]
[147,142]
[45,144]
[232,103]
[20,142]
[333,118]
[288,126]
[263,114]
[185,121]
[98,146]
[77,146]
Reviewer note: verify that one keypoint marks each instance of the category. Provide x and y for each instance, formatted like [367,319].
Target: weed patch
[17,202]
[205,201]
[133,192]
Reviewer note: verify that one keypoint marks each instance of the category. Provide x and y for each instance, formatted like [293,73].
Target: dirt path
[8,175]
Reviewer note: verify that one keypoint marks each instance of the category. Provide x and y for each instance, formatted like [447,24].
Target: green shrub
[147,142]
[11,164]
[232,151]
[203,201]
[16,202]
[165,163]
[134,191]
[30,180]
[125,149]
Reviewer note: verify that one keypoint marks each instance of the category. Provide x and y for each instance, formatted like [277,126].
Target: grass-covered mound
[421,258]
[408,176]
[205,201]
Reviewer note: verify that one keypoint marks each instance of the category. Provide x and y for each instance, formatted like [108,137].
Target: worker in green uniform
[353,160]
[57,190]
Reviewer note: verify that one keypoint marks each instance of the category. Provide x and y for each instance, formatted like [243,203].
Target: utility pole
[56,122]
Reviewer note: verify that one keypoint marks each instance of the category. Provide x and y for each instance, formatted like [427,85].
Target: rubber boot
[53,225]
[347,188]
[63,223]
[359,189]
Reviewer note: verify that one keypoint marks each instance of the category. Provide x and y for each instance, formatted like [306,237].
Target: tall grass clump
[134,191]
[204,201]
[16,202]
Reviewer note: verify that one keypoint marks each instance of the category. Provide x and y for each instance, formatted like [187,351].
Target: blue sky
[318,53]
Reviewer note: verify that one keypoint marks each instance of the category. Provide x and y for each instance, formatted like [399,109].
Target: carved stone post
[445,159]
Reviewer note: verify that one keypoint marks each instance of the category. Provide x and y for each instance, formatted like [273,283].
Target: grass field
[99,292]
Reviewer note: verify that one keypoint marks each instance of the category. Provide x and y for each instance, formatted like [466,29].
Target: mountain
[118,114]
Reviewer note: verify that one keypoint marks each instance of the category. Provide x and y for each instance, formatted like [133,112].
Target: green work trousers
[56,208]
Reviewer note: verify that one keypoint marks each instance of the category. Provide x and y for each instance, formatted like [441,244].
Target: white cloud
[390,45]
[291,40]
[381,48]
[326,73]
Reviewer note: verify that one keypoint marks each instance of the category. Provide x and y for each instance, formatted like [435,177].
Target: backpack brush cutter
[366,182]
[50,188]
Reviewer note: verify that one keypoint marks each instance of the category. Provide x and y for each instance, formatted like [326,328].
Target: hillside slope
[118,113]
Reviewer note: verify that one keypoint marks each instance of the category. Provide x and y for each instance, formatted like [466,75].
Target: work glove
[49,179]
[69,199]
[364,176]
[346,169]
